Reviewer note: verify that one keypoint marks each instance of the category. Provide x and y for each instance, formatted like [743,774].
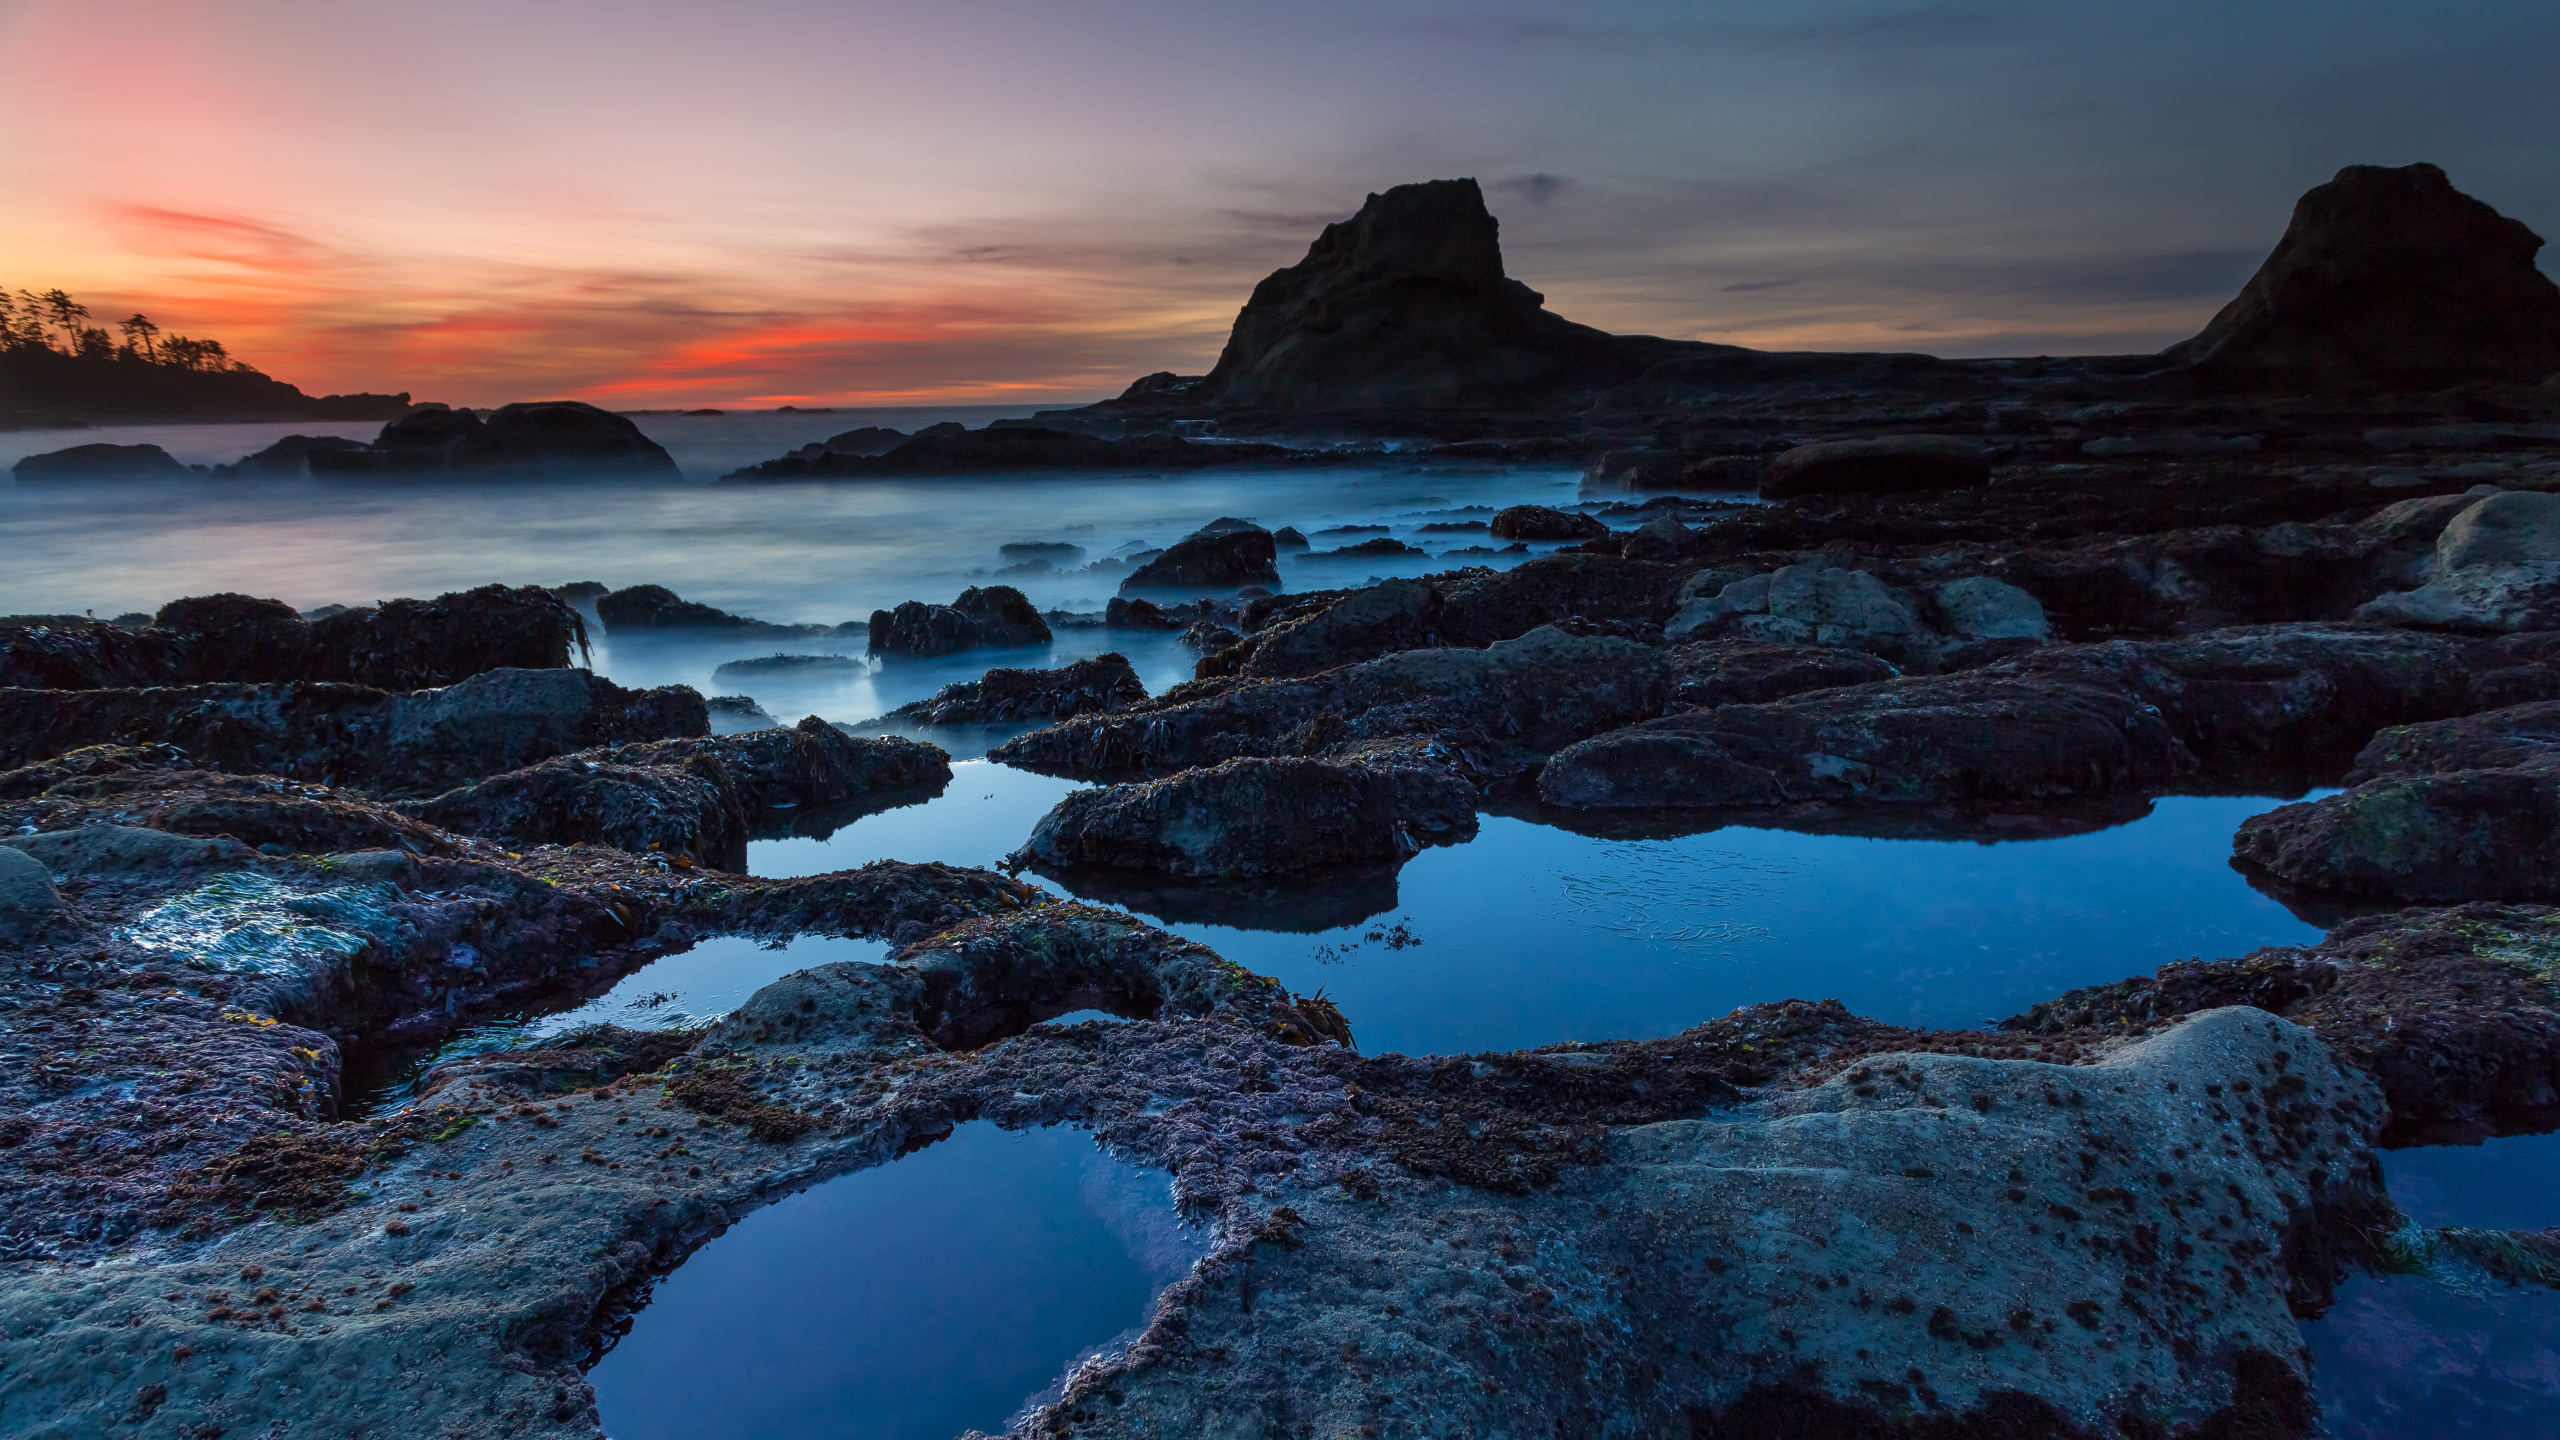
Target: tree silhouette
[66,314]
[140,335]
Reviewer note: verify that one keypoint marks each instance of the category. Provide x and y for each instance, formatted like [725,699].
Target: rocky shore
[235,845]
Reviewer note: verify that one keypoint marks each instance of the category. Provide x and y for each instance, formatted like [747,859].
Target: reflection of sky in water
[672,992]
[911,1301]
[1532,934]
[982,816]
[2506,1184]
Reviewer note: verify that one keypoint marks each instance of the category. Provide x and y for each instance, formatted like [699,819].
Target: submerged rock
[1255,817]
[100,462]
[2386,276]
[1540,522]
[995,617]
[1103,682]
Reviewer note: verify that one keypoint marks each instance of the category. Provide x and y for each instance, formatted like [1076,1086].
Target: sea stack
[2386,277]
[1405,306]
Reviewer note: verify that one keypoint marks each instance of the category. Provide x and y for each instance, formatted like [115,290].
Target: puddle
[912,1301]
[1529,934]
[983,815]
[2505,1184]
[672,992]
[2407,1358]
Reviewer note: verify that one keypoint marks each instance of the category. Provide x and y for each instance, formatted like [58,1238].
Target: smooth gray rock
[27,896]
[1984,608]
[101,849]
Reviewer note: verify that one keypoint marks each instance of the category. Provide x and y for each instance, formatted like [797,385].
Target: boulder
[2512,737]
[239,637]
[1385,618]
[1959,739]
[1402,307]
[1127,614]
[1540,522]
[1663,539]
[1885,464]
[113,849]
[1288,538]
[1226,560]
[1479,607]
[995,617]
[1984,608]
[1671,470]
[419,644]
[1380,548]
[290,456]
[655,607]
[1101,683]
[2386,276]
[1254,817]
[2418,839]
[2497,568]
[690,810]
[1809,604]
[28,901]
[100,462]
[533,440]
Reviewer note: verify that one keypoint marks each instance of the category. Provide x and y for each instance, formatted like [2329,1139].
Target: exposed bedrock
[1102,682]
[2463,809]
[2496,567]
[397,645]
[992,617]
[2386,276]
[1494,711]
[2450,1010]
[424,740]
[1304,634]
[2264,702]
[1256,816]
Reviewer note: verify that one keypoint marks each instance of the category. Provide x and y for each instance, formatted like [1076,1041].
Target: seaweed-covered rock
[996,617]
[417,644]
[1498,710]
[1479,607]
[1810,604]
[84,654]
[425,740]
[2468,835]
[1542,522]
[240,637]
[1962,738]
[812,763]
[1211,560]
[1103,682]
[691,809]
[1885,464]
[1123,613]
[531,440]
[1380,620]
[655,607]
[1255,817]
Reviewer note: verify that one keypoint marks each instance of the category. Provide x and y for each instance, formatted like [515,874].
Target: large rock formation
[1404,306]
[2387,276]
[538,440]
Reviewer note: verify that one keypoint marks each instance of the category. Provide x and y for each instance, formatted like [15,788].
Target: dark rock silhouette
[995,617]
[289,456]
[1211,559]
[1405,306]
[1541,522]
[538,440]
[655,607]
[2387,276]
[101,462]
[949,450]
[1886,463]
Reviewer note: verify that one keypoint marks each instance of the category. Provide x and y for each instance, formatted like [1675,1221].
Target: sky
[646,203]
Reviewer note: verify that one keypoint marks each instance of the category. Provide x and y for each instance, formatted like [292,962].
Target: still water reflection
[912,1301]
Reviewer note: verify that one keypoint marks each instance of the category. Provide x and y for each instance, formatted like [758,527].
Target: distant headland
[58,370]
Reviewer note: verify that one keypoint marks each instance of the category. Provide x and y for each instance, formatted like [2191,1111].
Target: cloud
[1537,189]
[1857,32]
[1744,286]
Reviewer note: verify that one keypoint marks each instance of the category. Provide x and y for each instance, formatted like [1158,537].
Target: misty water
[1528,933]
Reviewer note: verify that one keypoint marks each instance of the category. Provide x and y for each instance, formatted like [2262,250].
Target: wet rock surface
[992,617]
[1886,463]
[1102,682]
[1212,559]
[1257,816]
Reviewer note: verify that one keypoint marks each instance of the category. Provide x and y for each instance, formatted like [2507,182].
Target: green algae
[249,924]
